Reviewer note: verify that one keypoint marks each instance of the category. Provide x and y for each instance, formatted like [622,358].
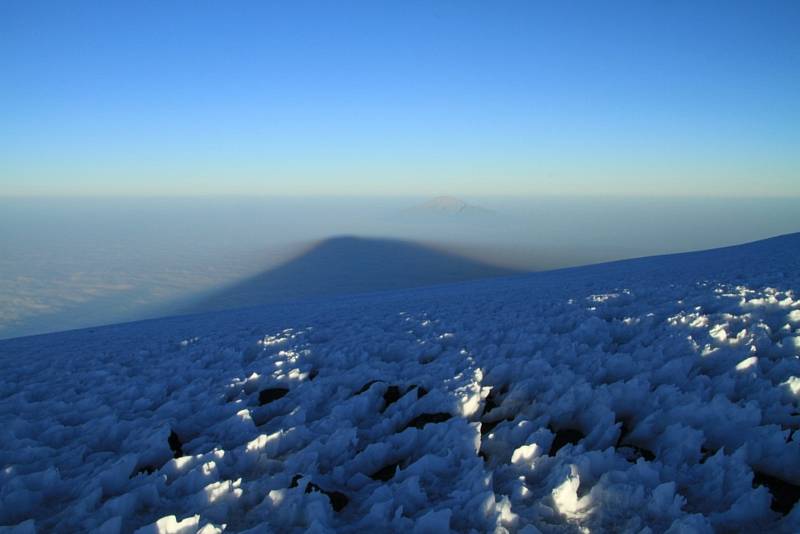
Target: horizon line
[188,195]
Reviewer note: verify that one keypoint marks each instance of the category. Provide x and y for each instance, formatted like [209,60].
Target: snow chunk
[565,495]
[170,525]
[793,383]
[526,453]
[747,363]
[434,522]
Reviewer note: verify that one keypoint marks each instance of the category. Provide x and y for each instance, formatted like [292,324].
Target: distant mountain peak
[445,203]
[448,205]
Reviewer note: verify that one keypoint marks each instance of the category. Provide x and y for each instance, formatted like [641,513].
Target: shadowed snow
[346,265]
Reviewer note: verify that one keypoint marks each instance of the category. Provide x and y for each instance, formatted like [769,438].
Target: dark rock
[491,402]
[144,470]
[295,480]
[633,453]
[312,487]
[582,490]
[425,418]
[265,396]
[175,444]
[563,437]
[390,396]
[421,391]
[784,494]
[706,454]
[338,499]
[313,374]
[365,387]
[629,451]
[385,473]
[489,426]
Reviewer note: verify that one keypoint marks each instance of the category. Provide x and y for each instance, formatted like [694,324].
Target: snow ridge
[658,394]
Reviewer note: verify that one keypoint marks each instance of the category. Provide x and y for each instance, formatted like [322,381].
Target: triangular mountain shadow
[347,265]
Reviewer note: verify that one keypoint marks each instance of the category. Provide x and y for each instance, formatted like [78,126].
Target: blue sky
[475,98]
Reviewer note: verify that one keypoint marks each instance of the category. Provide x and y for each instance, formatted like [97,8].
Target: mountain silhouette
[345,265]
[447,206]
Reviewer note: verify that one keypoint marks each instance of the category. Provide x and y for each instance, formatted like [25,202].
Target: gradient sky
[405,97]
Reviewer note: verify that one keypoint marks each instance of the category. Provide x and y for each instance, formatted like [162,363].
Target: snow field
[653,395]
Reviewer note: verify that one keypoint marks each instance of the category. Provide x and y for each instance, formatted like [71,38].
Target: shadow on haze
[348,265]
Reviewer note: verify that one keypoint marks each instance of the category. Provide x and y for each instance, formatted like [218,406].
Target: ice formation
[651,395]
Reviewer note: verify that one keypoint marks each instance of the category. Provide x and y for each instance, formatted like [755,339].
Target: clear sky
[403,97]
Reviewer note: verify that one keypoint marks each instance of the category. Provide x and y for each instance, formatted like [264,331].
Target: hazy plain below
[76,262]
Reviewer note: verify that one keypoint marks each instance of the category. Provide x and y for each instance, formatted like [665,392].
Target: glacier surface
[650,395]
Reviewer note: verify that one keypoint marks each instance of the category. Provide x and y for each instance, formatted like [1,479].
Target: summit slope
[657,394]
